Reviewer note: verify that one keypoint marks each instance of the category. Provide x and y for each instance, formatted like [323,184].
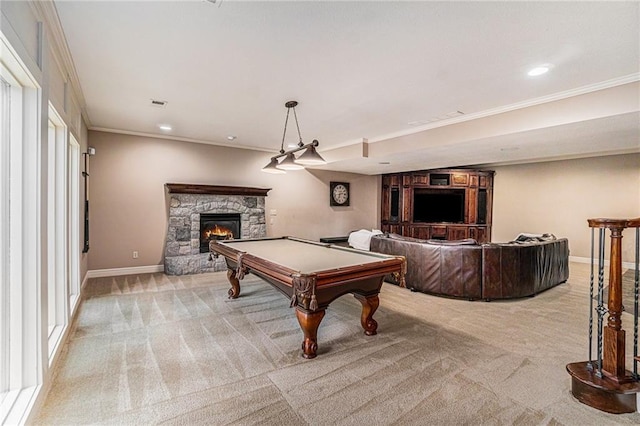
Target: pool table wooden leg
[309,322]
[369,306]
[234,291]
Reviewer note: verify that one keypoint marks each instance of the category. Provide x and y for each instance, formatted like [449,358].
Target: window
[73,242]
[20,246]
[56,229]
[51,225]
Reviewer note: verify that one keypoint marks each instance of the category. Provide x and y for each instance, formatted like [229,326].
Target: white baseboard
[97,273]
[84,281]
[625,265]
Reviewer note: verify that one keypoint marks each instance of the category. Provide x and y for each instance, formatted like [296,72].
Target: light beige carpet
[151,349]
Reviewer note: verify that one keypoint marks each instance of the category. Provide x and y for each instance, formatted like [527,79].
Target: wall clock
[339,193]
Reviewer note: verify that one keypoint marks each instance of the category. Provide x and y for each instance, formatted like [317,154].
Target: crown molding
[176,138]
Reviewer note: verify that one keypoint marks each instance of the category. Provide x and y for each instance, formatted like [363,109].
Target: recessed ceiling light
[231,137]
[542,69]
[165,127]
[292,145]
[384,162]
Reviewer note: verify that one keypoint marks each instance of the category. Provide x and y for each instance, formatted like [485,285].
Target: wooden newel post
[613,357]
[610,386]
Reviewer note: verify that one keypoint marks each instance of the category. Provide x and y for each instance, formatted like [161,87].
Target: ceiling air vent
[159,104]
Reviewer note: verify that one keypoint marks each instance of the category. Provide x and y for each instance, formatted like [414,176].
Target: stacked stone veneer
[182,251]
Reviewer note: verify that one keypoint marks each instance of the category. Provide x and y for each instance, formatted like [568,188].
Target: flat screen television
[438,205]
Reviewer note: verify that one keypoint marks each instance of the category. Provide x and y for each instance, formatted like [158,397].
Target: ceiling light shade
[272,167]
[311,157]
[289,163]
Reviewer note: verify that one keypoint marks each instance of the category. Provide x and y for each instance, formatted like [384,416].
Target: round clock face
[340,194]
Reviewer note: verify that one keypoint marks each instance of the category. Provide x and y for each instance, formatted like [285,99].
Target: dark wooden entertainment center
[445,204]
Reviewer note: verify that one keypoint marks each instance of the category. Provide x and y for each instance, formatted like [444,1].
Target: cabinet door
[457,232]
[479,233]
[482,215]
[420,179]
[471,209]
[386,203]
[459,179]
[394,201]
[407,205]
[396,229]
[421,232]
[439,231]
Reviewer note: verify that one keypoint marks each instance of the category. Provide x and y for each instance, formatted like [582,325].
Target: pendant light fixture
[309,158]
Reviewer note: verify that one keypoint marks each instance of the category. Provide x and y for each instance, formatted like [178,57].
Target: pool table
[311,275]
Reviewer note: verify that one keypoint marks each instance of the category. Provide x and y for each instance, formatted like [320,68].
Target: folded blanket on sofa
[361,239]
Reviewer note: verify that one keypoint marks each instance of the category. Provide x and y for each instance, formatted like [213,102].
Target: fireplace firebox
[218,226]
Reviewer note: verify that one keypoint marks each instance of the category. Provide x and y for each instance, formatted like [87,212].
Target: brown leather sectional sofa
[466,269]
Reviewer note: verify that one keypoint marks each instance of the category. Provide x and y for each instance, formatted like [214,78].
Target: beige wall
[560,196]
[128,201]
[129,205]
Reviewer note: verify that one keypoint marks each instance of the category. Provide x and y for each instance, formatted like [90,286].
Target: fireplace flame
[218,233]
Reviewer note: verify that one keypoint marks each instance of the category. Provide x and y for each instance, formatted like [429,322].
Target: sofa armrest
[523,269]
[552,264]
[508,270]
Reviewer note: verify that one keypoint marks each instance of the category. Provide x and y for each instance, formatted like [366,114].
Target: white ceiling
[381,71]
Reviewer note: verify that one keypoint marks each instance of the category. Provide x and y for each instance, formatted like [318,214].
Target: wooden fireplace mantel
[188,188]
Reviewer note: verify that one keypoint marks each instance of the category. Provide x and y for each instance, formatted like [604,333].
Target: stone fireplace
[195,209]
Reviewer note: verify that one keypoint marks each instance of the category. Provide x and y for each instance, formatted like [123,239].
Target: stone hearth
[187,202]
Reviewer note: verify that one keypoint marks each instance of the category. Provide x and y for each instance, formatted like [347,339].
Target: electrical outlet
[135,254]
